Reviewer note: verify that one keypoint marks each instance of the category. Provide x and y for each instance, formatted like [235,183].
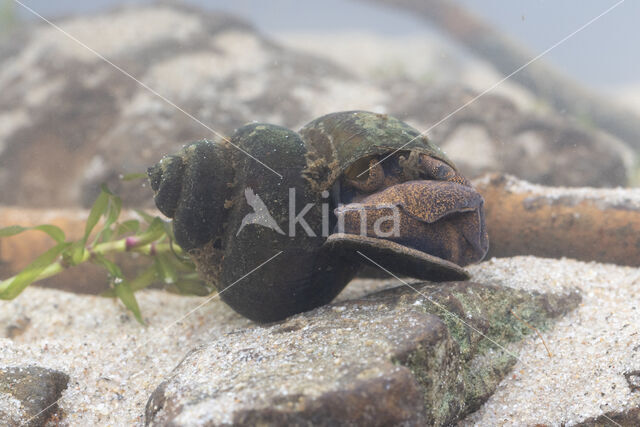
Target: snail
[349,186]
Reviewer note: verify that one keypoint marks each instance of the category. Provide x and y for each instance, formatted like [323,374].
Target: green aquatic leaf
[12,230]
[112,213]
[192,287]
[97,210]
[165,269]
[108,293]
[128,227]
[8,17]
[180,262]
[53,231]
[111,267]
[144,279]
[125,294]
[11,288]
[168,229]
[145,216]
[154,232]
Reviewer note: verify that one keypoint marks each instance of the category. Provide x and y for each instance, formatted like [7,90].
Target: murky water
[535,104]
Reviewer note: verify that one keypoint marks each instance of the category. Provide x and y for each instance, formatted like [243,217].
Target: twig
[586,224]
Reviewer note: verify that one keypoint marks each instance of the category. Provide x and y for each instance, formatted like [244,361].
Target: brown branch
[506,56]
[587,224]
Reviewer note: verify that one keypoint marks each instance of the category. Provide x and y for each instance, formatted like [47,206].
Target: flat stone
[29,394]
[629,418]
[425,354]
[593,348]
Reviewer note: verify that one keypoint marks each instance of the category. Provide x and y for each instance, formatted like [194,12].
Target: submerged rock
[400,356]
[492,134]
[69,121]
[28,395]
[629,418]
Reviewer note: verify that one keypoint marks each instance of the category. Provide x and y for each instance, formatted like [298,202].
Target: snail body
[230,214]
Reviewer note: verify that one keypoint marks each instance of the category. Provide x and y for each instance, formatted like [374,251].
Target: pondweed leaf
[183,265]
[165,270]
[168,228]
[144,279]
[128,227]
[168,267]
[12,230]
[112,213]
[97,210]
[145,216]
[53,231]
[112,268]
[124,292]
[192,287]
[154,232]
[11,288]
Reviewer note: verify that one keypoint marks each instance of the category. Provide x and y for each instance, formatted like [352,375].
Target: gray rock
[492,134]
[629,418]
[396,357]
[67,116]
[633,379]
[69,121]
[28,395]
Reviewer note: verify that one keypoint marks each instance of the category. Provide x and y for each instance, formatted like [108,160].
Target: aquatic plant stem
[118,246]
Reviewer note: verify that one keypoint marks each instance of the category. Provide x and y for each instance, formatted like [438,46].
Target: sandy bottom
[592,347]
[115,364]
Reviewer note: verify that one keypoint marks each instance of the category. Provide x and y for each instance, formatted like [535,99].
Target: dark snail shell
[191,187]
[299,278]
[338,140]
[232,214]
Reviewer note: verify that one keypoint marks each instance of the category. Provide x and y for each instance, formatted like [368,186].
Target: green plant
[151,236]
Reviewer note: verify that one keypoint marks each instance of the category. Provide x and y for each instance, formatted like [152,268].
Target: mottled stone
[69,121]
[633,379]
[397,357]
[492,134]
[28,395]
[70,124]
[629,418]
